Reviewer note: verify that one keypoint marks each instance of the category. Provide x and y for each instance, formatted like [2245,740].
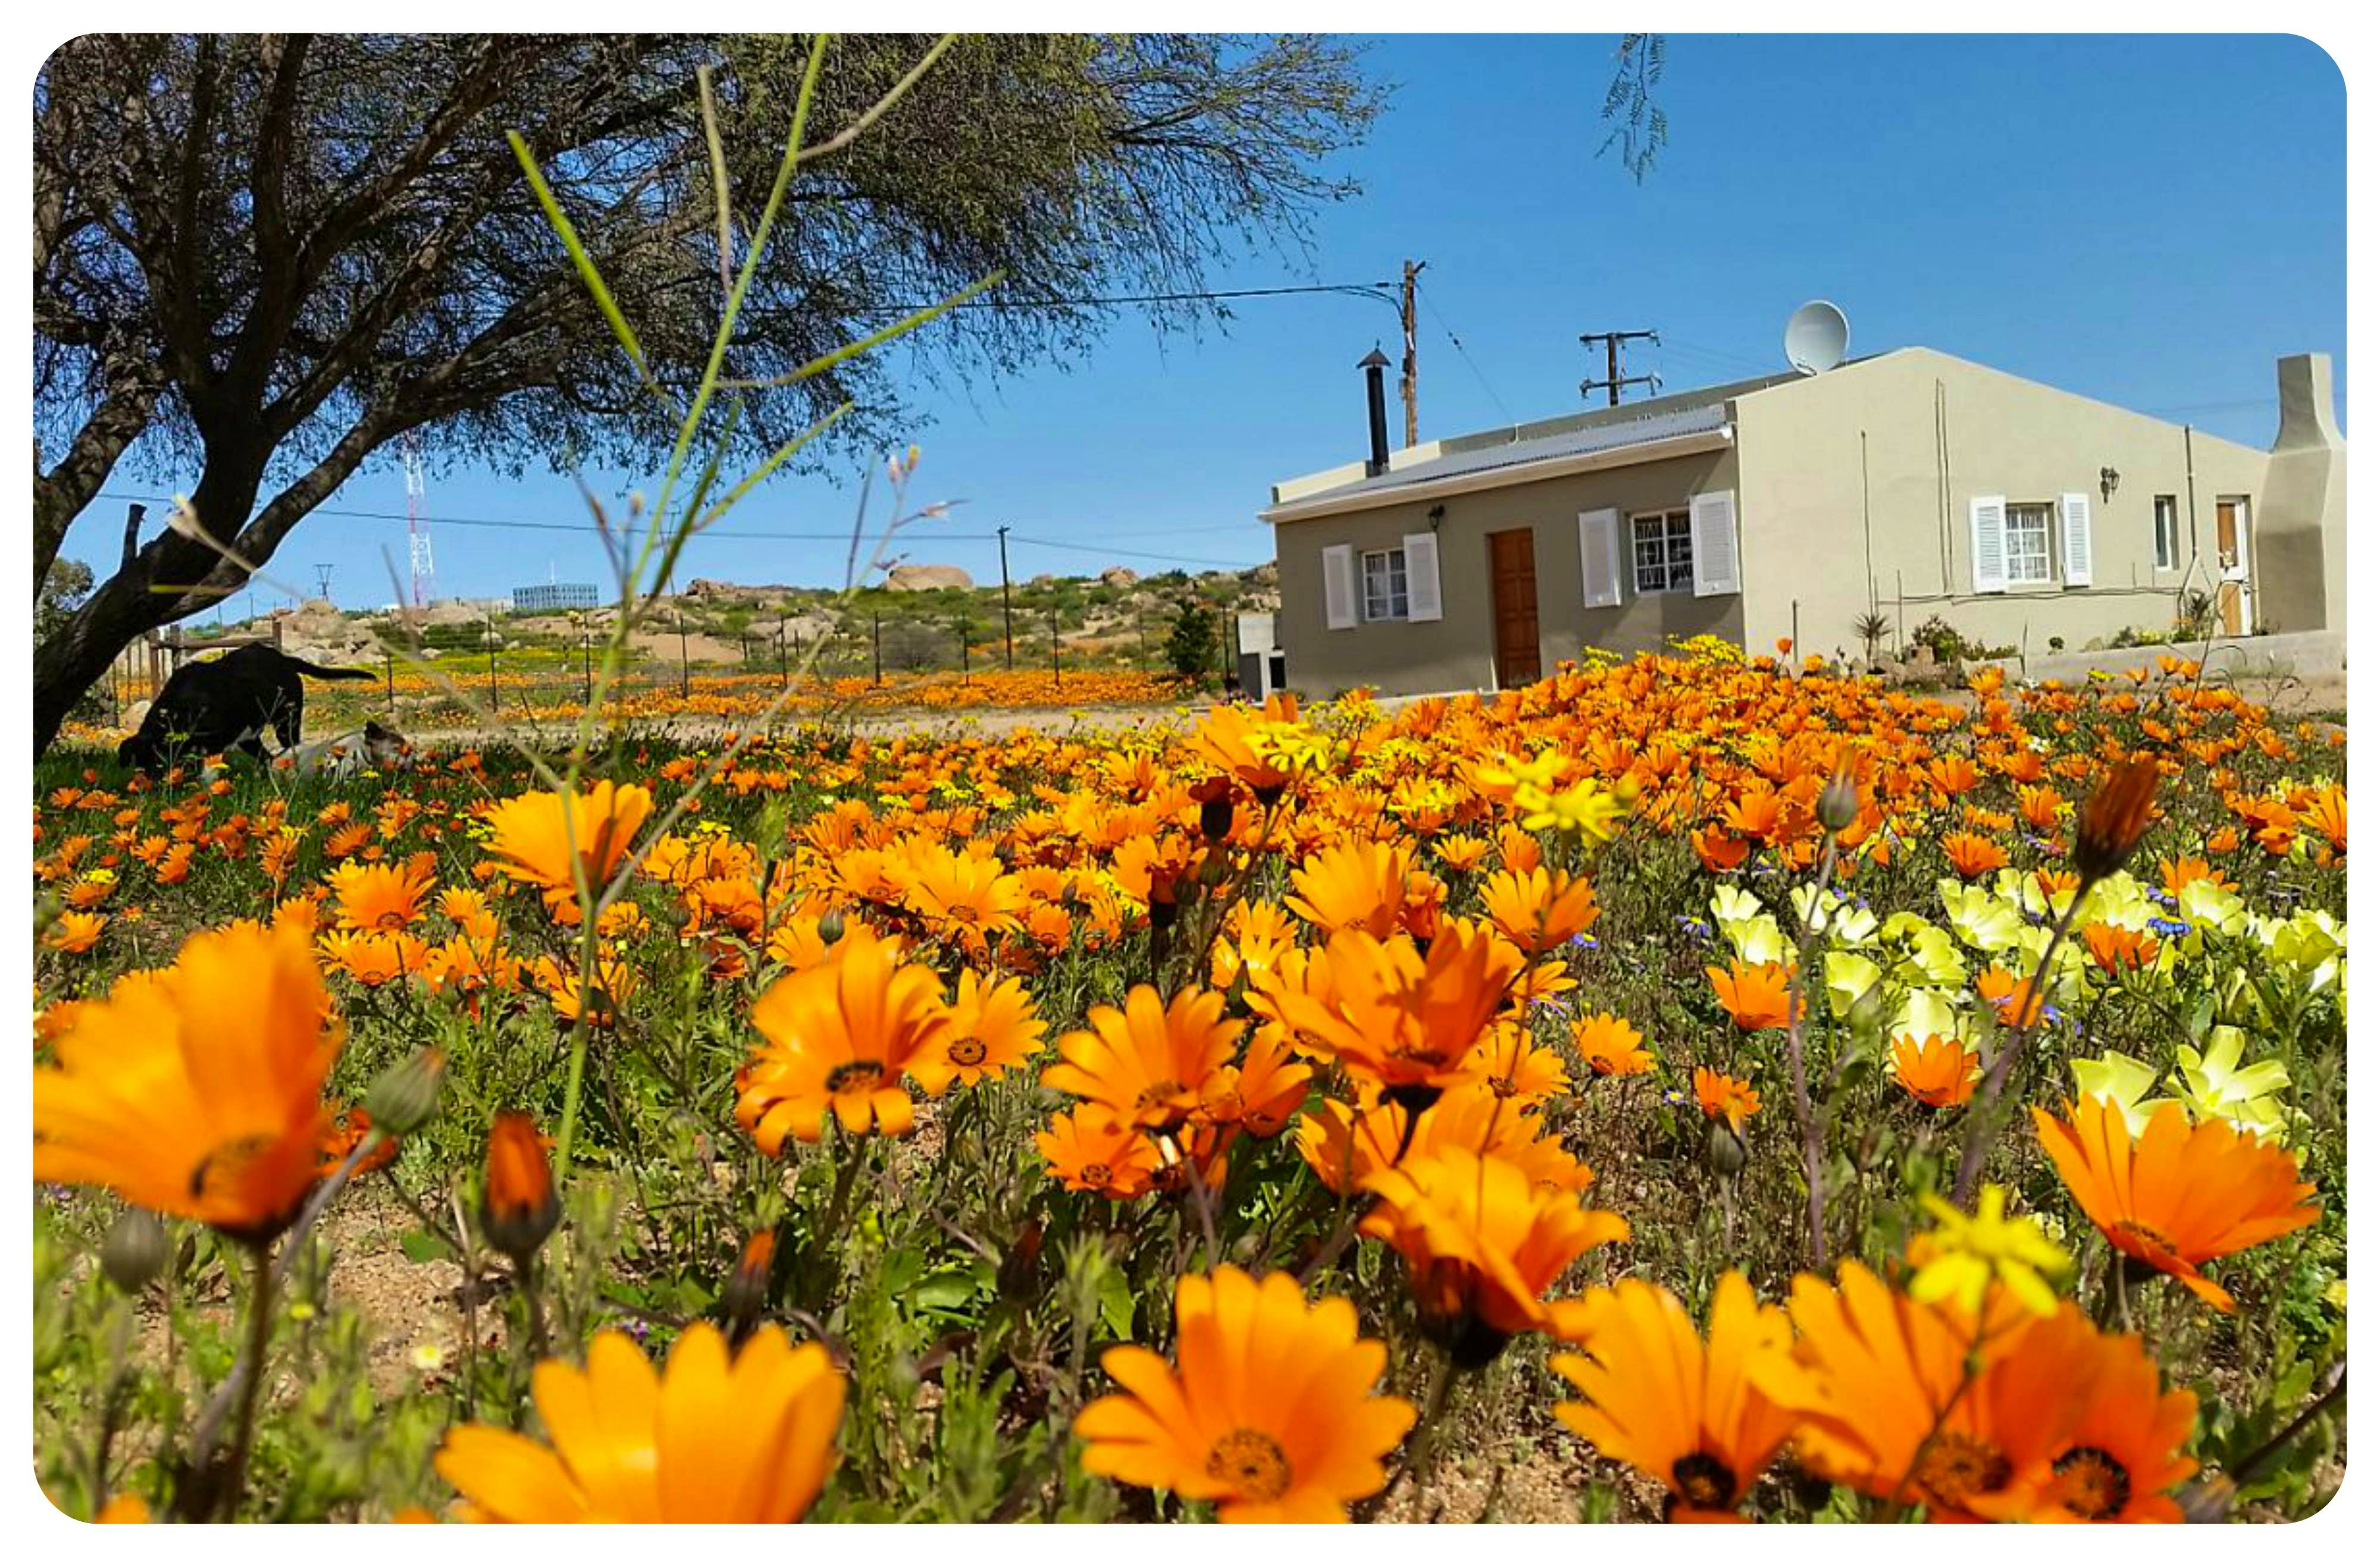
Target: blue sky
[2147,221]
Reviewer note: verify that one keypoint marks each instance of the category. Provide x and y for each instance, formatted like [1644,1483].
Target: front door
[2231,562]
[1512,568]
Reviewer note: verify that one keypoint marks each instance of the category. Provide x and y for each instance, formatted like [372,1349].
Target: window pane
[1384,585]
[1664,551]
[2027,534]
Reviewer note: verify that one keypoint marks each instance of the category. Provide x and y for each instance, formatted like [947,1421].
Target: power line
[1119,551]
[1456,342]
[730,534]
[1377,290]
[1672,342]
[909,536]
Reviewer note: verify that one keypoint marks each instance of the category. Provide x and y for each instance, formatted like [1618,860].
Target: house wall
[1458,653]
[1833,520]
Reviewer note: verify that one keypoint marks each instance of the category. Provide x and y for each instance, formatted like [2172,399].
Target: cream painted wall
[2301,540]
[1831,525]
[1458,653]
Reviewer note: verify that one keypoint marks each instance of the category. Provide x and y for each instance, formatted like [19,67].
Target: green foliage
[1190,648]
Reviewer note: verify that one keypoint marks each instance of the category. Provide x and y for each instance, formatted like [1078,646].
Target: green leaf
[1116,1304]
[950,1289]
[423,1247]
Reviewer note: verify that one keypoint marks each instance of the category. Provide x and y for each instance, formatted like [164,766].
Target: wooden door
[2231,561]
[1512,573]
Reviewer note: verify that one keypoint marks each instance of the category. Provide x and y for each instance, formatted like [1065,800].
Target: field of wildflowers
[1696,1087]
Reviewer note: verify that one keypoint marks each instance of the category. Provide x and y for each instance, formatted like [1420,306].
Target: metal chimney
[1375,391]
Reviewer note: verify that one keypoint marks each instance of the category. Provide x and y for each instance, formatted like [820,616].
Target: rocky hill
[922,616]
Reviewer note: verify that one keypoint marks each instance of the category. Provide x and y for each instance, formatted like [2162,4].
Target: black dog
[225,705]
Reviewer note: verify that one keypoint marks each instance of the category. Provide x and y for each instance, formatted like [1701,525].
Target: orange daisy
[1268,1410]
[2180,1195]
[1939,1073]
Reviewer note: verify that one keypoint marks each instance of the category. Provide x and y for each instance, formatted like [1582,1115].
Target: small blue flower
[2169,929]
[1584,939]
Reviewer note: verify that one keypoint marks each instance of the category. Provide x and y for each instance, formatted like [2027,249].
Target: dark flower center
[1096,1174]
[2149,1239]
[1251,1464]
[855,1076]
[2093,1483]
[1704,1481]
[967,1050]
[1957,1465]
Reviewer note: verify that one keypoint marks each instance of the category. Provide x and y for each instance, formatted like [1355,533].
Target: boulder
[928,576]
[1119,578]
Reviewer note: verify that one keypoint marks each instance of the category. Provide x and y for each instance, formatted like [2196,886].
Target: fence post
[780,651]
[962,652]
[681,655]
[390,655]
[586,666]
[1055,680]
[495,700]
[879,622]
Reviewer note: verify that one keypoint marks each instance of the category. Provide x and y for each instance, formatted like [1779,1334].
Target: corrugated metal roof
[1530,451]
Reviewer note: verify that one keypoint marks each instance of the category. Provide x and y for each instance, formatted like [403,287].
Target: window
[1665,552]
[2028,542]
[2168,534]
[1384,586]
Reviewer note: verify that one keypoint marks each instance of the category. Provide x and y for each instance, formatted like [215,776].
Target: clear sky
[2146,221]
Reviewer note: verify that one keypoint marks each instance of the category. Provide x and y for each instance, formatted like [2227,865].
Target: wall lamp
[1437,516]
[2107,479]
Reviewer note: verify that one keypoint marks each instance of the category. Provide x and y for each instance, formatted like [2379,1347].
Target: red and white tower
[417,539]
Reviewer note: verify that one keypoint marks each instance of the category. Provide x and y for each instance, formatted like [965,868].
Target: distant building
[532,598]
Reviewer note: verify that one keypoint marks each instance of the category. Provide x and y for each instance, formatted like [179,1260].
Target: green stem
[572,1081]
[260,1336]
[1421,1455]
[1982,1118]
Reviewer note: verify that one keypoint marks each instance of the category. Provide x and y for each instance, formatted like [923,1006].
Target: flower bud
[1838,801]
[1215,818]
[2112,822]
[136,1250]
[830,928]
[748,1284]
[404,1098]
[1020,1264]
[1725,1150]
[517,1205]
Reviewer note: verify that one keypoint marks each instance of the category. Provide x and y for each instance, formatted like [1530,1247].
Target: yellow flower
[1586,810]
[1965,1254]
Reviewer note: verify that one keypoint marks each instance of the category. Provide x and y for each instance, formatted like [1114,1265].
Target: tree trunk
[149,591]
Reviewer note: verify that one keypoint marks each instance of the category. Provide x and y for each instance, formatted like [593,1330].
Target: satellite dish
[1817,337]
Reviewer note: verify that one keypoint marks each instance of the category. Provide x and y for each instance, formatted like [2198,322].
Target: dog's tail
[330,673]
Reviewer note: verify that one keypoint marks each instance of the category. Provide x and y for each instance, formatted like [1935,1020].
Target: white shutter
[2074,518]
[1988,527]
[1339,586]
[1598,555]
[1715,569]
[1421,578]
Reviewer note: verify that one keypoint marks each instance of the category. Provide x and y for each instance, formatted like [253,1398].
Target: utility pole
[1612,380]
[1007,621]
[323,578]
[1410,384]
